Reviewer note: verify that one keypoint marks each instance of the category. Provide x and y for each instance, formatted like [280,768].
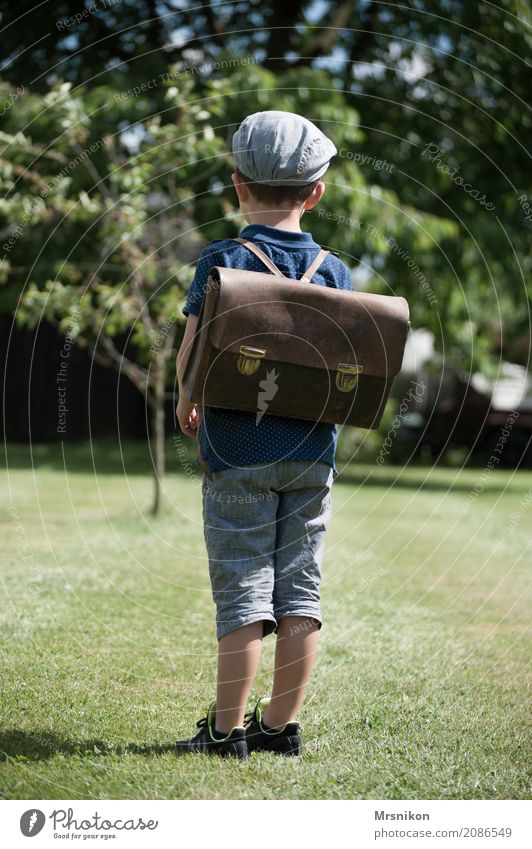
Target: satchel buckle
[347,376]
[249,359]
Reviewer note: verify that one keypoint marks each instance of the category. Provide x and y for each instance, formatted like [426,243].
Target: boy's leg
[239,512]
[302,520]
[295,651]
[238,660]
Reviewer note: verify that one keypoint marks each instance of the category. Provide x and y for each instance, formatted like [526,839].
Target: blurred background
[116,120]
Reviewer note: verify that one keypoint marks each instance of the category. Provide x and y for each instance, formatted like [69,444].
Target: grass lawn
[422,685]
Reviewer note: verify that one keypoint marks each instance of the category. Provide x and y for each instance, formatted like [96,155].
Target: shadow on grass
[416,478]
[43,745]
[104,456]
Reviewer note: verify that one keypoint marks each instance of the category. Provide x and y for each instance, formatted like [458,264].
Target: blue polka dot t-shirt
[232,437]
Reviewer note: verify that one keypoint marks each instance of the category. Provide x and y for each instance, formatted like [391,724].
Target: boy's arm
[188,415]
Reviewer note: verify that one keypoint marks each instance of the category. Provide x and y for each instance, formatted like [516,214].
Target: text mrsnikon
[406,815]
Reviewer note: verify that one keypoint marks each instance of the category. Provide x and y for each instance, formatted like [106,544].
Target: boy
[267,480]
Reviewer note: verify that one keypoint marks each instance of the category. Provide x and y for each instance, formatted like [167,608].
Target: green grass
[422,684]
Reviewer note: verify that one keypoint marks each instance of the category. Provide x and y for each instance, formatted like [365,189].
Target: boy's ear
[240,187]
[315,197]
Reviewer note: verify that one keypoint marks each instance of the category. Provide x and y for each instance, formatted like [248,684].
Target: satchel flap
[334,326]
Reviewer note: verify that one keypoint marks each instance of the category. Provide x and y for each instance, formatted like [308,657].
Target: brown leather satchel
[280,347]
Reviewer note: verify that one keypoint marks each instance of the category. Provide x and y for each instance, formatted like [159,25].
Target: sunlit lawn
[421,689]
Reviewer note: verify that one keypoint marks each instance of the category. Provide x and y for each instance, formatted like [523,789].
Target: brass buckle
[347,376]
[249,359]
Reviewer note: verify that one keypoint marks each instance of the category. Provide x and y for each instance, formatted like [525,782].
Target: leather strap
[261,255]
[314,265]
[309,273]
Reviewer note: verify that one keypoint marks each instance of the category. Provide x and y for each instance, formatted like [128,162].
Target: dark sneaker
[285,741]
[208,741]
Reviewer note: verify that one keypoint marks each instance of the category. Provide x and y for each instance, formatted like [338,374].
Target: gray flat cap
[281,149]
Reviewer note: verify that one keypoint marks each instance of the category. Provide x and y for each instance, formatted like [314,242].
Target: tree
[74,41]
[106,205]
[442,88]
[93,230]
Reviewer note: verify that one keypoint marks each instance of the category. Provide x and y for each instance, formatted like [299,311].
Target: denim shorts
[264,529]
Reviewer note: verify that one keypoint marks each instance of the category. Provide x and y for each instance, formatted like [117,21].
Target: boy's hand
[189,417]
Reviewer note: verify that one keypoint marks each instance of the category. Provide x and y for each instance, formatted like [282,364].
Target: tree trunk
[158,422]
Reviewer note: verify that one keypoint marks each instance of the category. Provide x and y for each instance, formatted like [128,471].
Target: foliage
[108,210]
[417,95]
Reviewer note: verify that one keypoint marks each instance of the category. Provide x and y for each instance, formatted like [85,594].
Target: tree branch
[326,38]
[283,18]
[366,35]
[93,171]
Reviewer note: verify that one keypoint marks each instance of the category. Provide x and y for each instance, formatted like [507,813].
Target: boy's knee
[293,625]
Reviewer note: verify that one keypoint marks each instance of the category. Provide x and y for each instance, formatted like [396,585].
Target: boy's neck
[284,219]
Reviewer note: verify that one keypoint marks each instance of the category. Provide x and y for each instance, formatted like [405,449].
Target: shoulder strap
[307,277]
[314,265]
[261,255]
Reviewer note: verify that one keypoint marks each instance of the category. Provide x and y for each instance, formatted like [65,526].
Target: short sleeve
[342,276]
[211,255]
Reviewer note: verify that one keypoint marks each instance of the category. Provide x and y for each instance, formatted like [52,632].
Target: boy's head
[279,159]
